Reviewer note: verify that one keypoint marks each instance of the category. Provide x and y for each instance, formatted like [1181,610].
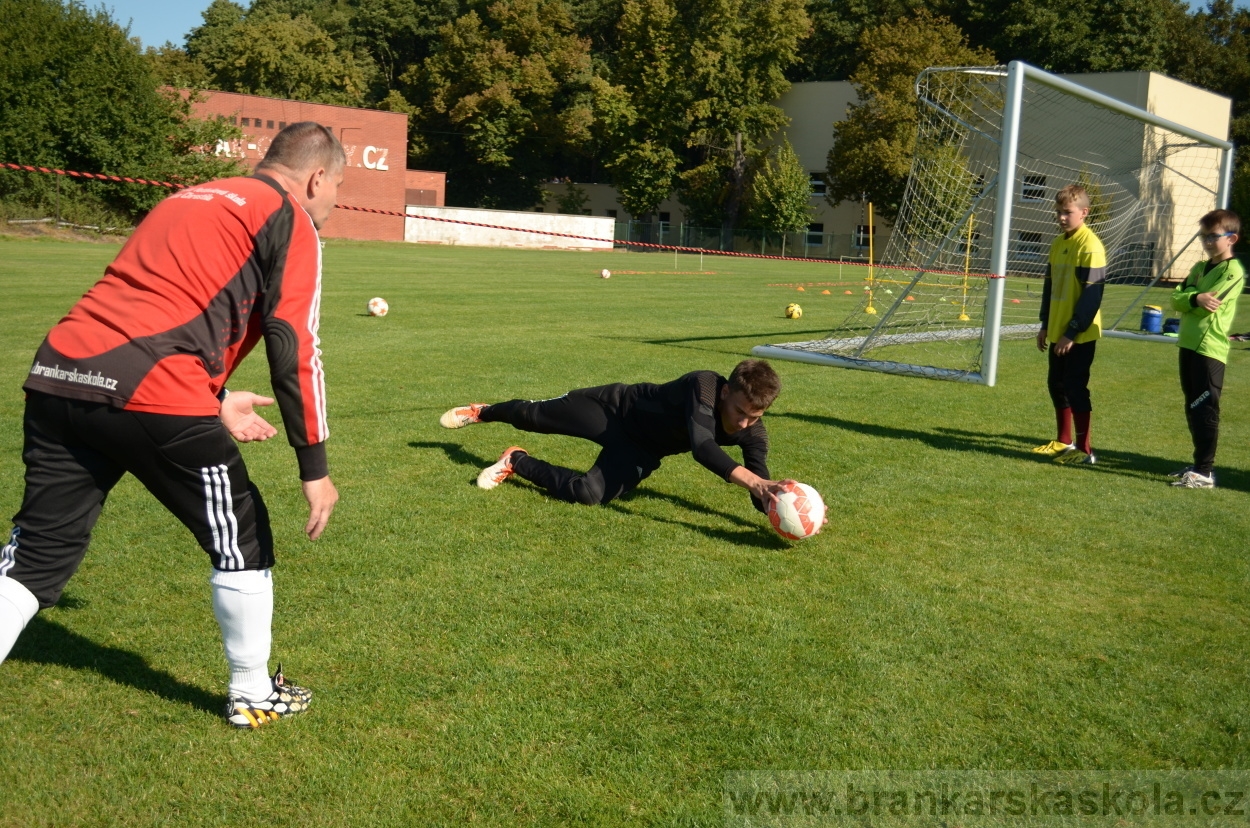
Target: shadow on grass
[1019,447]
[455,453]
[698,343]
[47,642]
[758,535]
[750,534]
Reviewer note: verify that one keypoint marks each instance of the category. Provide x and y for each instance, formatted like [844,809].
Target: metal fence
[842,246]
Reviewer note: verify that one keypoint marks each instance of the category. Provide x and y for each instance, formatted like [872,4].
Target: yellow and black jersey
[1075,274]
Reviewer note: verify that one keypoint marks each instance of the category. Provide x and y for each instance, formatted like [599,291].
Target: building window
[665,218]
[1033,188]
[817,180]
[610,213]
[586,211]
[1030,245]
[281,124]
[268,124]
[816,233]
[861,234]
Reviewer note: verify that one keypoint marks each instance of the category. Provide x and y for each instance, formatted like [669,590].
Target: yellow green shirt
[1075,274]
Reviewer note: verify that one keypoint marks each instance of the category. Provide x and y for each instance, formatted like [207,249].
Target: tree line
[653,96]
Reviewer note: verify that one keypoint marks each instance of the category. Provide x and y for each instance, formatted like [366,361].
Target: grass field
[503,659]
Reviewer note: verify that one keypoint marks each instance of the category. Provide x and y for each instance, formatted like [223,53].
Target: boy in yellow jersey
[1072,324]
[1207,302]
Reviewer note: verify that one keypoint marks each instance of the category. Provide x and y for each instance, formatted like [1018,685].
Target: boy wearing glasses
[1072,324]
[1207,302]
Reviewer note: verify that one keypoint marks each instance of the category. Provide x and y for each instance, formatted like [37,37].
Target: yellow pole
[870,308]
[963,306]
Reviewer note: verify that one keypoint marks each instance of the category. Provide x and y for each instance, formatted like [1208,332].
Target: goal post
[993,146]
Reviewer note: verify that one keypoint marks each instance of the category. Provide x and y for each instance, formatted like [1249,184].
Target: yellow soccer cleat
[1052,448]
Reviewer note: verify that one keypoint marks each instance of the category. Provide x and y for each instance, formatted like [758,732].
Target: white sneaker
[462,415]
[1181,472]
[1193,480]
[499,471]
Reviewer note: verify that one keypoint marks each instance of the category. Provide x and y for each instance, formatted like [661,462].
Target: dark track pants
[588,413]
[76,452]
[1067,377]
[1202,380]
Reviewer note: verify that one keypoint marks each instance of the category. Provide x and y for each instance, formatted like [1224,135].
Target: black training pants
[588,413]
[75,453]
[1202,380]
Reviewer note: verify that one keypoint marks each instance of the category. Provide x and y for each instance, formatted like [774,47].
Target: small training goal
[965,261]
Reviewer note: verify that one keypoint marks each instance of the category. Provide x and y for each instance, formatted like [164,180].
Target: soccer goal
[966,258]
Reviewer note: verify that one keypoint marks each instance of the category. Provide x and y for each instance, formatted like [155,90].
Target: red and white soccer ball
[378,306]
[798,512]
[605,274]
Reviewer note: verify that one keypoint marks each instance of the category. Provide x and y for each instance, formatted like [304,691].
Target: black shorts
[1067,377]
[75,453]
[591,414]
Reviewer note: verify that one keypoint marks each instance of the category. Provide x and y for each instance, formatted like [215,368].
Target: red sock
[1082,431]
[1063,424]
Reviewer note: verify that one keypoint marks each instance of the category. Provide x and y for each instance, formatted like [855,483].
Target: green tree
[830,51]
[172,66]
[501,96]
[738,59]
[779,192]
[572,200]
[873,148]
[76,93]
[693,92]
[779,198]
[1211,49]
[644,117]
[275,54]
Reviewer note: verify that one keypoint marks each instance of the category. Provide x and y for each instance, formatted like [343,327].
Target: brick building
[376,144]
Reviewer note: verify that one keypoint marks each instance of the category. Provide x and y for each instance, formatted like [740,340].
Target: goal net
[965,261]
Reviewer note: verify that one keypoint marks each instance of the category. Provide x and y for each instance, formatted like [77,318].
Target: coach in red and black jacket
[133,380]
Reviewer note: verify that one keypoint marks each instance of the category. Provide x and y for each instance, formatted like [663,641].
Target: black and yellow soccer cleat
[285,700]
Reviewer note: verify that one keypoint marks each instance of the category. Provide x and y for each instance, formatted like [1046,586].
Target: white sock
[17,607]
[243,605]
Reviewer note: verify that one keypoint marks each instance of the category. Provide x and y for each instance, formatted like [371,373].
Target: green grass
[504,659]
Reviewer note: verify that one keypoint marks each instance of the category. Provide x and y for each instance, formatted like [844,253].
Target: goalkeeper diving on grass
[637,426]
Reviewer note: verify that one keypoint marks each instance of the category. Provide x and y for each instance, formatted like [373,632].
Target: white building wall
[597,232]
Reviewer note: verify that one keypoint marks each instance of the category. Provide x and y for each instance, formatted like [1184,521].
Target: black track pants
[588,413]
[76,452]
[1202,380]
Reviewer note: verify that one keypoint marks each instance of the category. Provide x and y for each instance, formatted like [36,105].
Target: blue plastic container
[1152,319]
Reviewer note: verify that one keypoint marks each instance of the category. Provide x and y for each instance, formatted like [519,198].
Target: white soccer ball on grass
[798,512]
[378,306]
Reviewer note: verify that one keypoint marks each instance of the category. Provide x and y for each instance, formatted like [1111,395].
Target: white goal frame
[990,333]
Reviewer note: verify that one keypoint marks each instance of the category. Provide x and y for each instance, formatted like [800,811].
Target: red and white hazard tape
[649,245]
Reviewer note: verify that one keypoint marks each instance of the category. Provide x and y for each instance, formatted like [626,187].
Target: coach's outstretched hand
[239,418]
[321,496]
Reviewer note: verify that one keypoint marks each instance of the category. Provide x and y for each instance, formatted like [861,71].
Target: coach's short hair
[1072,194]
[305,146]
[1221,221]
[757,380]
